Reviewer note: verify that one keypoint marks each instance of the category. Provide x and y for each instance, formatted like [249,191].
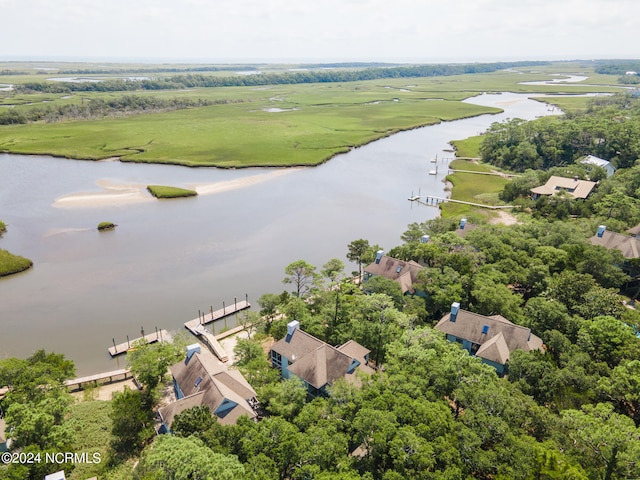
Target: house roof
[462,232]
[405,273]
[597,161]
[634,231]
[203,382]
[322,366]
[470,326]
[576,188]
[629,246]
[319,363]
[495,349]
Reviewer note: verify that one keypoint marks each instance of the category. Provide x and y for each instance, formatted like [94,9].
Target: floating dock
[212,316]
[157,336]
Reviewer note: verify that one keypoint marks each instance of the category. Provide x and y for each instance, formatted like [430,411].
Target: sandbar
[127,193]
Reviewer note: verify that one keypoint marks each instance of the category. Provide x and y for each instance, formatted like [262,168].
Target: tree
[193,421]
[132,422]
[357,251]
[149,363]
[606,443]
[269,303]
[302,275]
[622,388]
[180,458]
[247,350]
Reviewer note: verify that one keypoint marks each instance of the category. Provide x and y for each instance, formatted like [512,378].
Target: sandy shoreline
[127,193]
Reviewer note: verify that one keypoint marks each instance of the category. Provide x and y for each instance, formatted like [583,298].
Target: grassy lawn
[470,187]
[160,191]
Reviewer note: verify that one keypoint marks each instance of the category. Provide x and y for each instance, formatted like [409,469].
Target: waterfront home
[600,162]
[404,273]
[318,364]
[573,186]
[490,338]
[201,380]
[629,245]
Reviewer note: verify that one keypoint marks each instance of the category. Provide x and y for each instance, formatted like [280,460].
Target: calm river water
[168,259]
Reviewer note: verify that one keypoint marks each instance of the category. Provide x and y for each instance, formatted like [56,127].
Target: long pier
[76,383]
[432,201]
[157,336]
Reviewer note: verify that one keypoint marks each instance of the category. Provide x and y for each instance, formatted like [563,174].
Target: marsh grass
[10,263]
[106,226]
[161,191]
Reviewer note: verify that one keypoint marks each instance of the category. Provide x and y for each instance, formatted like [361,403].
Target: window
[276,359]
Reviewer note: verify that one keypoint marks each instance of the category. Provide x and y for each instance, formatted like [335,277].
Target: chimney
[191,349]
[292,326]
[379,254]
[425,239]
[601,230]
[455,306]
[463,222]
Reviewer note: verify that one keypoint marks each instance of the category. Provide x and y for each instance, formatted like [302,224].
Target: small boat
[434,172]
[435,159]
[448,150]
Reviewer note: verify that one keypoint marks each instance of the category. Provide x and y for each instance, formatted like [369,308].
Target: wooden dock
[208,339]
[196,326]
[431,201]
[157,336]
[212,316]
[77,383]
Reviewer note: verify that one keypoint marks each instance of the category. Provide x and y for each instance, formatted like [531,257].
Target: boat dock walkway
[77,383]
[208,339]
[431,201]
[157,336]
[196,326]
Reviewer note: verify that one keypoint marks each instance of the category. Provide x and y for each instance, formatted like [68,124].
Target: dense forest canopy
[609,129]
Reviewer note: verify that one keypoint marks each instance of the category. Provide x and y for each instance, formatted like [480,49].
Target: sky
[319,30]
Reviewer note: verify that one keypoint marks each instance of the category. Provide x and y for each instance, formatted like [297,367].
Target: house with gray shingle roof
[490,338]
[573,186]
[315,362]
[201,380]
[404,273]
[629,245]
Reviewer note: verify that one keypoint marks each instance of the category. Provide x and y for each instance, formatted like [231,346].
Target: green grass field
[277,125]
[470,187]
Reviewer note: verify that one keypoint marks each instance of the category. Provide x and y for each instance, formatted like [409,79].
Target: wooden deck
[159,336]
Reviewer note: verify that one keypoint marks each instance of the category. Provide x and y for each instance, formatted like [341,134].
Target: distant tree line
[321,76]
[100,108]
